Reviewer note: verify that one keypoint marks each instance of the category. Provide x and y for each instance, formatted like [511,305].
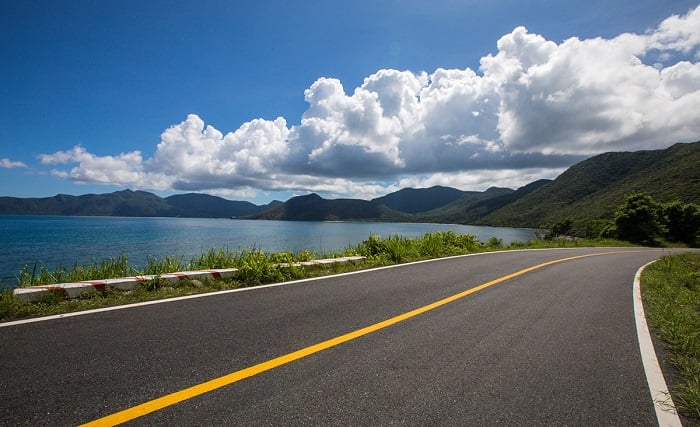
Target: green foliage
[396,249]
[215,258]
[167,264]
[254,268]
[495,242]
[638,220]
[594,228]
[595,187]
[103,269]
[671,294]
[445,243]
[153,285]
[560,228]
[682,222]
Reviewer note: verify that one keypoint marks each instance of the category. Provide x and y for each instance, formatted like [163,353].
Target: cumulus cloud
[588,96]
[6,163]
[533,108]
[195,156]
[123,169]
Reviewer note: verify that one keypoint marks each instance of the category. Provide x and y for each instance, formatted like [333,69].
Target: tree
[560,228]
[682,222]
[637,219]
[595,228]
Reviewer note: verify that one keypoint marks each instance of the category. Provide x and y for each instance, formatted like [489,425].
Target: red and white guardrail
[90,287]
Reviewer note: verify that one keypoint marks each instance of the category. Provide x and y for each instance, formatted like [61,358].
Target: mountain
[130,203]
[412,200]
[196,205]
[470,208]
[120,203]
[591,189]
[595,187]
[313,207]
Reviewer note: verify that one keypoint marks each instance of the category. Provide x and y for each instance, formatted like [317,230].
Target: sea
[64,241]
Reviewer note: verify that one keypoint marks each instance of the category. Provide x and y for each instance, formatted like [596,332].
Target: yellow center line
[205,387]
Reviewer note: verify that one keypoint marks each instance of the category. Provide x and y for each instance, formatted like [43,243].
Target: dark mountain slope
[205,206]
[313,207]
[595,187]
[470,210]
[120,203]
[412,200]
[591,189]
[129,203]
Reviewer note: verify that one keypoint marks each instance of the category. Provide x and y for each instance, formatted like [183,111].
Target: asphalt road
[554,346]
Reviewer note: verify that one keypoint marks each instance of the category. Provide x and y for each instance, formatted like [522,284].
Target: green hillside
[416,200]
[120,203]
[591,189]
[194,205]
[471,208]
[313,207]
[130,203]
[594,188]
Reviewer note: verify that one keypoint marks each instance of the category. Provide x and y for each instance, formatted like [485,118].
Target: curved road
[556,345]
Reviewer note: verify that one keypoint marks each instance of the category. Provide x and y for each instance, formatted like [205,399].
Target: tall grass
[246,260]
[397,249]
[254,267]
[103,269]
[379,250]
[671,294]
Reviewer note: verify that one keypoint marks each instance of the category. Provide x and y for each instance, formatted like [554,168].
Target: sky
[263,100]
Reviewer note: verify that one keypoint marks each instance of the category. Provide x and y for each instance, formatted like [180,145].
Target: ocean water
[55,241]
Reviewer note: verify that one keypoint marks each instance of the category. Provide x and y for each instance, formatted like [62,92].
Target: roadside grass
[671,295]
[255,267]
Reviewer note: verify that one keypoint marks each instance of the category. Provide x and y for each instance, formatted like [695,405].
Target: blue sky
[268,99]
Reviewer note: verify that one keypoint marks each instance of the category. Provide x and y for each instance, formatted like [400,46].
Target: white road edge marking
[215,293]
[666,413]
[246,289]
[254,288]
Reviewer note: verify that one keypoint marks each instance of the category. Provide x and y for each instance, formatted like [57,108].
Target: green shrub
[638,221]
[682,222]
[560,228]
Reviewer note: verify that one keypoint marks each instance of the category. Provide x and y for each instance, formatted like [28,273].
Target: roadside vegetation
[671,295]
[639,219]
[255,267]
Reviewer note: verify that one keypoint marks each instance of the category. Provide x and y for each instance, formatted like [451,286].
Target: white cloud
[343,135]
[584,96]
[533,108]
[196,157]
[124,169]
[680,33]
[6,163]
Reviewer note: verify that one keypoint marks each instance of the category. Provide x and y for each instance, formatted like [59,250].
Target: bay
[63,241]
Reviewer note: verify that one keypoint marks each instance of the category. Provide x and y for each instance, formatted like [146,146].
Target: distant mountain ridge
[591,189]
[470,208]
[412,200]
[313,207]
[205,206]
[131,203]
